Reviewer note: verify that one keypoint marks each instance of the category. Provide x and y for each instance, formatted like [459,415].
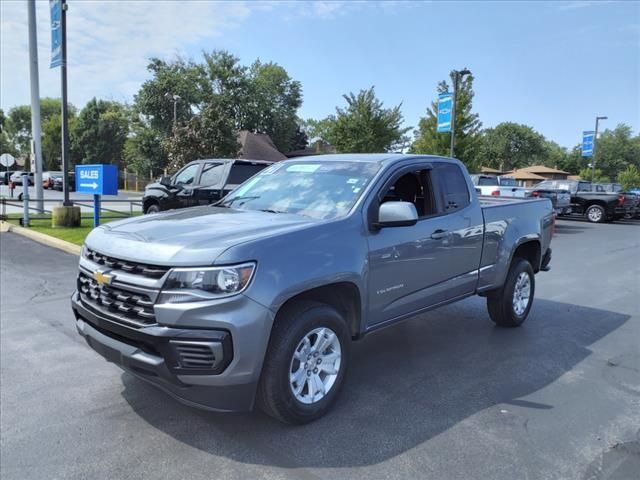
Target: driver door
[185,180]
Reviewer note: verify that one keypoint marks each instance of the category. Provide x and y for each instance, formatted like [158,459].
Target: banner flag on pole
[445,104]
[56,33]
[587,143]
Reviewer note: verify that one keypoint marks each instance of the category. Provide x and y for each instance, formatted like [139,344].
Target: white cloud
[109,43]
[576,4]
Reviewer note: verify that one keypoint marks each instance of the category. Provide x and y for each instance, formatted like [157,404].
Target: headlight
[84,251]
[197,284]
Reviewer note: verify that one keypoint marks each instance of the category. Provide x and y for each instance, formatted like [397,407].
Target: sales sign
[97,179]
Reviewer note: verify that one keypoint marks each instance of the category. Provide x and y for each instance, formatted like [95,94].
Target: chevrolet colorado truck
[257,299]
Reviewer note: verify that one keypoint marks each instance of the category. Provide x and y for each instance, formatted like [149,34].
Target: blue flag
[56,33]
[587,143]
[445,106]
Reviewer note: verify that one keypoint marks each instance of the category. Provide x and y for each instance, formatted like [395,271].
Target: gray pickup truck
[256,300]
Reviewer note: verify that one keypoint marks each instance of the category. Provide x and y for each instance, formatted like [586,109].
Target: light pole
[175,99]
[593,154]
[457,76]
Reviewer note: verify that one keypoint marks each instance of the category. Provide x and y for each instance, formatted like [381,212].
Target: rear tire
[596,214]
[288,350]
[510,305]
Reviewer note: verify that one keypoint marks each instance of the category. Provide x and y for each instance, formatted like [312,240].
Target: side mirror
[397,214]
[165,181]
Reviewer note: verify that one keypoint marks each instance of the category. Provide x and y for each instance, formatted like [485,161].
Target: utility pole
[36,134]
[593,154]
[65,112]
[457,76]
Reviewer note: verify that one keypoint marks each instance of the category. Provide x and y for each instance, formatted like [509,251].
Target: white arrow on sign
[93,185]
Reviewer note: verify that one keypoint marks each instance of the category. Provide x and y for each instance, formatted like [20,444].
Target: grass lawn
[42,224]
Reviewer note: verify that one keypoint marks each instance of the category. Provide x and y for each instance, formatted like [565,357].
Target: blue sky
[551,65]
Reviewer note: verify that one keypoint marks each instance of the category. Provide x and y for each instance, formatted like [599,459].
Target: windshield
[485,181]
[319,190]
[508,182]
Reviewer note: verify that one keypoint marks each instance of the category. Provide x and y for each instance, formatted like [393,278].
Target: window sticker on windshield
[352,180]
[272,169]
[304,168]
[356,190]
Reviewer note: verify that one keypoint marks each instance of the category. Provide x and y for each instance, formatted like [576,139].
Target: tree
[155,98]
[18,123]
[5,144]
[511,145]
[144,150]
[467,125]
[52,140]
[100,133]
[617,149]
[629,178]
[210,134]
[364,126]
[596,176]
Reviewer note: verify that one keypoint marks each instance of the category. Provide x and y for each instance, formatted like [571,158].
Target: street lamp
[593,153]
[175,99]
[457,76]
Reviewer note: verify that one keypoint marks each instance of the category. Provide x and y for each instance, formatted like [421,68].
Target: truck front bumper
[153,354]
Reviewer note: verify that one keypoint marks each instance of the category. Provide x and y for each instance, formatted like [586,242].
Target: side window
[187,175]
[414,187]
[452,186]
[212,174]
[243,171]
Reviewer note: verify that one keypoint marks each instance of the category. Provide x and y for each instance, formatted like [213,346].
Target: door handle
[439,234]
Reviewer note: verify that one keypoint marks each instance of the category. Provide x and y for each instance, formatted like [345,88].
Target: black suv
[199,183]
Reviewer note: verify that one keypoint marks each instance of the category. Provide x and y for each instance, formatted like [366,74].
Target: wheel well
[530,251]
[148,202]
[343,296]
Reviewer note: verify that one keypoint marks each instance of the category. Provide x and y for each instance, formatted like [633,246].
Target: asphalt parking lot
[445,395]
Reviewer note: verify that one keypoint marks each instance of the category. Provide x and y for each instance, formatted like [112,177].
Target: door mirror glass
[397,214]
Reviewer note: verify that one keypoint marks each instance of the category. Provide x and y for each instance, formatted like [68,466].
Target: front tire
[510,305]
[596,214]
[305,364]
[153,208]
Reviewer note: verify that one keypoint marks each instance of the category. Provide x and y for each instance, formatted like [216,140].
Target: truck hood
[189,237]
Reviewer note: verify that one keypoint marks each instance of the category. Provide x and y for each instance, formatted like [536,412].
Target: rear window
[452,186]
[487,181]
[243,171]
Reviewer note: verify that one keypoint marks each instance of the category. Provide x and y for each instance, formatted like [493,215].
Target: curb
[47,240]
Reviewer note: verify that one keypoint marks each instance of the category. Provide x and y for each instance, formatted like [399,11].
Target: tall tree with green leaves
[596,176]
[6,146]
[617,149]
[511,145]
[629,178]
[363,126]
[100,133]
[467,124]
[144,150]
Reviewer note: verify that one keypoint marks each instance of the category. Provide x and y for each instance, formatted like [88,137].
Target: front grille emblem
[103,277]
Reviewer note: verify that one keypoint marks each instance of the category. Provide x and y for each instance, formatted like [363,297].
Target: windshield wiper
[228,203]
[272,211]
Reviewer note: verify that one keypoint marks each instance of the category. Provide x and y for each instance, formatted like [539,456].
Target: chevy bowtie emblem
[103,278]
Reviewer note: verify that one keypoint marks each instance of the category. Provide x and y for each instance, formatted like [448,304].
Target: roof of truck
[365,157]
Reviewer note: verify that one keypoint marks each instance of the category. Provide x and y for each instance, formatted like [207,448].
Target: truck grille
[152,271]
[118,304]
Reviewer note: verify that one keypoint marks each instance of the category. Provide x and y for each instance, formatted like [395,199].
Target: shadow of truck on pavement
[406,384]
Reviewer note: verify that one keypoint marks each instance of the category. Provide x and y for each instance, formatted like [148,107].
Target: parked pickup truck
[560,199]
[199,183]
[498,186]
[259,297]
[596,206]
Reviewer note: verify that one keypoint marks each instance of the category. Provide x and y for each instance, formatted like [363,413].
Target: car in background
[58,181]
[16,177]
[498,186]
[200,182]
[48,179]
